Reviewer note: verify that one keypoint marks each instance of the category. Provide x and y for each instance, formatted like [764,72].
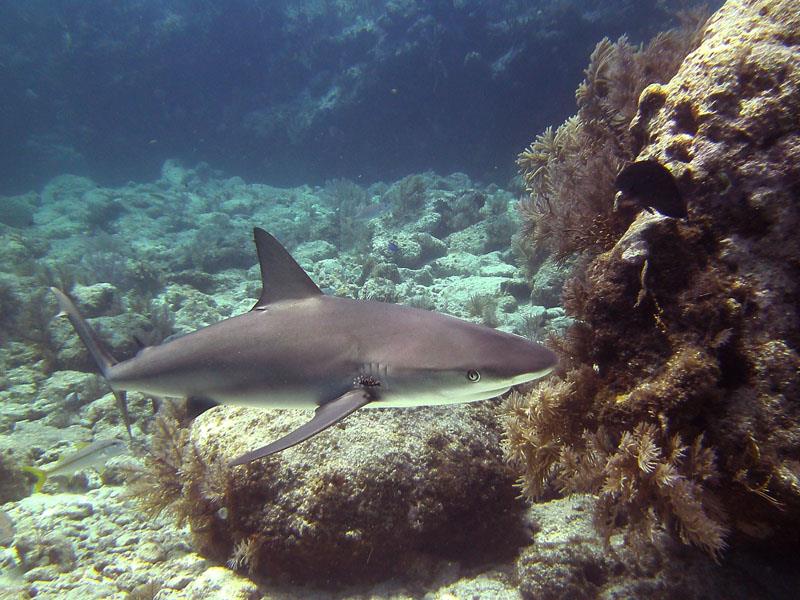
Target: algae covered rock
[728,127]
[13,484]
[547,283]
[218,583]
[677,395]
[98,300]
[370,497]
[18,211]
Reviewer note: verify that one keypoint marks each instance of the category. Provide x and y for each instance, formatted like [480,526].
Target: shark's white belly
[301,399]
[285,399]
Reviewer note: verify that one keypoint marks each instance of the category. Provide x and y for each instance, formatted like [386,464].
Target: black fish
[648,184]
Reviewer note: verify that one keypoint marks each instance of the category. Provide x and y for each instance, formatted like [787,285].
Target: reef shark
[298,348]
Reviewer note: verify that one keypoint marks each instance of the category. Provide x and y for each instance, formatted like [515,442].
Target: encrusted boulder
[377,495]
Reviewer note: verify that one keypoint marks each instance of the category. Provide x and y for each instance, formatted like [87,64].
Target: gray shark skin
[298,348]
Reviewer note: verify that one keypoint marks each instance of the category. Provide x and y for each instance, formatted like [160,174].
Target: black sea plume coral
[653,480]
[645,479]
[168,466]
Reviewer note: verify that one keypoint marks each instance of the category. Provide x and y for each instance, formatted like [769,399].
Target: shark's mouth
[526,377]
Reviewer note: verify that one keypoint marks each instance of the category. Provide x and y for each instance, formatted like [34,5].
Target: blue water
[292,92]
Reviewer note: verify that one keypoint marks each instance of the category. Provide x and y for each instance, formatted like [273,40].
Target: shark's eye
[473,375]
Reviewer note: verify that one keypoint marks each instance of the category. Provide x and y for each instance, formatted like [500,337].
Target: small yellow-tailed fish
[95,454]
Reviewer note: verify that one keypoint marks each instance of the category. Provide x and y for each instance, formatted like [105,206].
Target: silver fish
[95,454]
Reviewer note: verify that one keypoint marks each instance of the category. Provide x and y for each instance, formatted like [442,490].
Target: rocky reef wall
[677,400]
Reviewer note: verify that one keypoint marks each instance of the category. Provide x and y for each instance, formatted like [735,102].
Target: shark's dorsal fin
[281,277]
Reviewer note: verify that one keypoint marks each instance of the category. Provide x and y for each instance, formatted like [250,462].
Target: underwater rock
[456,292]
[117,331]
[432,247]
[43,549]
[497,584]
[472,239]
[63,385]
[13,481]
[569,560]
[62,396]
[18,211]
[547,283]
[410,250]
[402,248]
[379,289]
[471,265]
[458,210]
[17,253]
[362,501]
[97,300]
[63,189]
[174,173]
[498,269]
[729,126]
[218,583]
[314,251]
[94,545]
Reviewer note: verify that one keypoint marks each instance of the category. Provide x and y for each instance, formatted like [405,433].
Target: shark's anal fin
[325,416]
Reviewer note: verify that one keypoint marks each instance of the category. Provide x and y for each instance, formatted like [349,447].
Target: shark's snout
[522,360]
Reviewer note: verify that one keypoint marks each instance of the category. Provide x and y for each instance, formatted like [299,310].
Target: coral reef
[675,401]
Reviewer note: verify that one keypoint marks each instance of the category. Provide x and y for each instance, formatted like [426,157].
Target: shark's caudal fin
[103,359]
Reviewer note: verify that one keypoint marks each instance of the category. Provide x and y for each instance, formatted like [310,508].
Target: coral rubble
[676,400]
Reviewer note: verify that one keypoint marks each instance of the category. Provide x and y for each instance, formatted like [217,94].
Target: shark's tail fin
[103,359]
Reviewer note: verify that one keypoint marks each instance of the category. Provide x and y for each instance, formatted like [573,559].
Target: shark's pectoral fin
[325,416]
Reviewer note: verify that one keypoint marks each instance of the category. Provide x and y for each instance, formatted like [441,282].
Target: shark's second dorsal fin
[281,277]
